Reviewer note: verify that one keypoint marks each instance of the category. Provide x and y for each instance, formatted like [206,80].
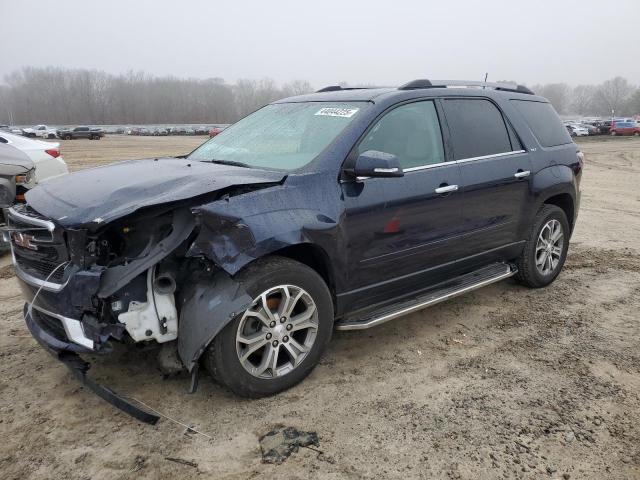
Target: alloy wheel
[277,331]
[549,247]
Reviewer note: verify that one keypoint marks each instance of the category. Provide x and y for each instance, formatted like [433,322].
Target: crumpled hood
[99,195]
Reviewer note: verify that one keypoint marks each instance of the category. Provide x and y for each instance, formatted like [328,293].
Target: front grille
[41,269]
[37,250]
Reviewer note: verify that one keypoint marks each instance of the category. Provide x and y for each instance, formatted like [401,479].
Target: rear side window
[477,128]
[543,122]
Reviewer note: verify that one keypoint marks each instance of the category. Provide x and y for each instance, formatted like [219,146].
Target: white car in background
[45,156]
[41,131]
[576,130]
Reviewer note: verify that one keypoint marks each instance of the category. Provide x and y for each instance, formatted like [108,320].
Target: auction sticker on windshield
[337,112]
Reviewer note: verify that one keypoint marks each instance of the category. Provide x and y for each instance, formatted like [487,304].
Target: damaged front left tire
[280,337]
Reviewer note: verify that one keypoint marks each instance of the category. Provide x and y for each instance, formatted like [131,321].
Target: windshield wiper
[230,162]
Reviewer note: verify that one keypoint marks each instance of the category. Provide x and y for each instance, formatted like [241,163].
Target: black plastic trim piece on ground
[79,369]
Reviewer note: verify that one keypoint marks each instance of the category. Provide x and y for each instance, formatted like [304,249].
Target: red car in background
[624,128]
[215,131]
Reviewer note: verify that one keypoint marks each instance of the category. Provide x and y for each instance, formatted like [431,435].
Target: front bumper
[52,339]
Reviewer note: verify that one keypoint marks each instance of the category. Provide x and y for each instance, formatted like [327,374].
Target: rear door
[495,172]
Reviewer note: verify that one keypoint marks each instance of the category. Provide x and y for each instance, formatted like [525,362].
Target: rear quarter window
[543,121]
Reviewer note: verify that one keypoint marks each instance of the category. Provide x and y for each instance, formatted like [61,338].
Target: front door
[402,232]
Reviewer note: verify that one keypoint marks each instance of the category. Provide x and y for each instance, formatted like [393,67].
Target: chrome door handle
[524,174]
[447,189]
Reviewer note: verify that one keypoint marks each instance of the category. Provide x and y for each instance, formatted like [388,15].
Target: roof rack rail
[415,84]
[330,88]
[505,87]
[337,88]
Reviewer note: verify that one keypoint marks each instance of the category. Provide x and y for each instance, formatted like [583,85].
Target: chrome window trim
[463,160]
[35,221]
[72,327]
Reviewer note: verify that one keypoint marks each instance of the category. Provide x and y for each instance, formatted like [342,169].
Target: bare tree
[613,96]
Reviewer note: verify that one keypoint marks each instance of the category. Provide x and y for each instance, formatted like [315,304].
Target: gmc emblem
[23,240]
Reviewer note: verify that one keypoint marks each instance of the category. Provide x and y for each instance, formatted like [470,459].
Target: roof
[340,94]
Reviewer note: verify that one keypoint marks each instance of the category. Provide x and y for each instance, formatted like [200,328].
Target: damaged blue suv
[341,209]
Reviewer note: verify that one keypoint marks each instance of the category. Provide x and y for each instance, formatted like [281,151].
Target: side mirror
[373,163]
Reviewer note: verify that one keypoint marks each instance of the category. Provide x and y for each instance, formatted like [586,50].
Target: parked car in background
[41,131]
[46,157]
[80,132]
[23,164]
[215,131]
[16,170]
[592,129]
[604,127]
[624,128]
[577,131]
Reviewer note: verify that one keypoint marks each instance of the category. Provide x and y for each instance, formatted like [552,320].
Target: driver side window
[411,132]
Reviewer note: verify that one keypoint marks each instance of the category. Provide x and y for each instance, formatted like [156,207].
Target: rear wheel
[279,339]
[545,250]
[613,133]
[67,137]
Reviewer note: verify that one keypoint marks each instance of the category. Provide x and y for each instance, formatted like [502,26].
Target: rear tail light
[54,152]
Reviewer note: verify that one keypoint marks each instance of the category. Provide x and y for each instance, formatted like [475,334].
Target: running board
[452,288]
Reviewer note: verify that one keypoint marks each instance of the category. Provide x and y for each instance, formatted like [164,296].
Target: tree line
[55,95]
[616,95]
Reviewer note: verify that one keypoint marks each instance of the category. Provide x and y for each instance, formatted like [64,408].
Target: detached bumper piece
[53,339]
[79,369]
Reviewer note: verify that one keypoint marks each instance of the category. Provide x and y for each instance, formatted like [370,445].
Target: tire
[613,133]
[636,134]
[67,137]
[271,275]
[529,272]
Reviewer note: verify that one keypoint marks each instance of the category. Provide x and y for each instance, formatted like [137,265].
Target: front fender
[208,304]
[235,231]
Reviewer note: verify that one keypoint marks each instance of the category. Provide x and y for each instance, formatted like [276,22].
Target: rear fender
[552,181]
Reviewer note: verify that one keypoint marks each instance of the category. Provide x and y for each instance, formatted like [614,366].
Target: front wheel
[280,337]
[545,250]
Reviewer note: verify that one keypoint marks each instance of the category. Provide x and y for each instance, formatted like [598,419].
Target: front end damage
[129,281]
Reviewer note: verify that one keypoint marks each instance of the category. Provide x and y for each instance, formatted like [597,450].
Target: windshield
[283,136]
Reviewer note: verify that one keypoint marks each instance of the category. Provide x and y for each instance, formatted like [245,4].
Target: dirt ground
[505,382]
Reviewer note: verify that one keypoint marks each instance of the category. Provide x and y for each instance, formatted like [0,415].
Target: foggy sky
[368,42]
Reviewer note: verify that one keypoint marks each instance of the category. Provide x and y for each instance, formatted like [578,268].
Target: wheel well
[313,257]
[565,202]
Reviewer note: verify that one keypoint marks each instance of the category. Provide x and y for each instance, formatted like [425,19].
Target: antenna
[486,75]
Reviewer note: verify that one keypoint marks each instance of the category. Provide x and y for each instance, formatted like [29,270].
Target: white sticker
[337,112]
